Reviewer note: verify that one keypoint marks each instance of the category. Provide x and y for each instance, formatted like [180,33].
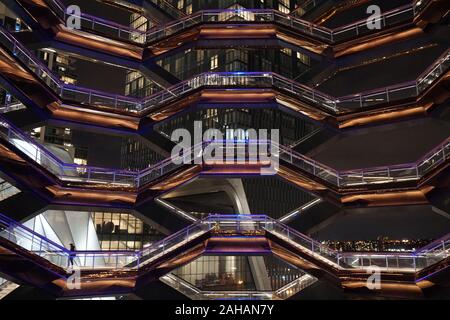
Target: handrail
[372,175]
[222,15]
[443,59]
[438,243]
[118,29]
[288,216]
[8,222]
[269,15]
[148,104]
[132,260]
[219,224]
[385,15]
[195,293]
[340,178]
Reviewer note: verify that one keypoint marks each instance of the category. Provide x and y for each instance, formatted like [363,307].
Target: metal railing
[290,215]
[215,16]
[374,175]
[194,293]
[184,22]
[91,97]
[97,24]
[398,92]
[66,171]
[242,153]
[96,259]
[406,262]
[221,224]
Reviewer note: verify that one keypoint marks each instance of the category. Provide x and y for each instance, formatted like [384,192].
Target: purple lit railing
[406,262]
[374,175]
[387,19]
[400,91]
[68,172]
[88,174]
[67,91]
[32,241]
[195,293]
[218,224]
[112,28]
[233,15]
[96,259]
[100,25]
[227,79]
[346,32]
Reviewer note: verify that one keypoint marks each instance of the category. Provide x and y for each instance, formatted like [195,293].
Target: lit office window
[68,80]
[118,231]
[287,51]
[214,62]
[303,58]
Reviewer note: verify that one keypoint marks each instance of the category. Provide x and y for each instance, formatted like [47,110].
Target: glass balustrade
[211,287]
[244,152]
[406,262]
[123,260]
[70,172]
[100,25]
[86,96]
[223,224]
[343,33]
[397,92]
[387,19]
